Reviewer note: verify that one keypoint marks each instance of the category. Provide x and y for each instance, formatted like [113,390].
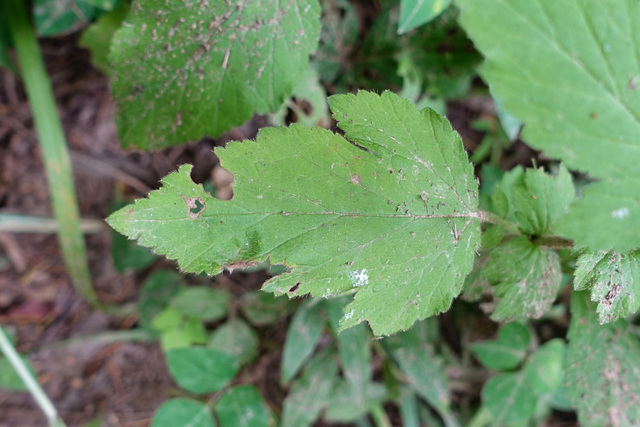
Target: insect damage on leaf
[332,213]
[182,69]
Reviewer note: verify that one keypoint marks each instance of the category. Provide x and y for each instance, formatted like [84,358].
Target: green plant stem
[104,338]
[35,224]
[29,381]
[492,218]
[380,418]
[57,161]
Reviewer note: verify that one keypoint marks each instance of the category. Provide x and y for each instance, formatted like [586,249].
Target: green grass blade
[54,148]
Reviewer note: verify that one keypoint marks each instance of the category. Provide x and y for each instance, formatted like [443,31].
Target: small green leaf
[569,70]
[302,337]
[422,367]
[311,392]
[237,339]
[9,379]
[174,337]
[414,13]
[181,412]
[602,371]
[347,404]
[544,368]
[186,69]
[61,16]
[195,331]
[527,279]
[354,397]
[331,211]
[201,370]
[507,351]
[613,280]
[167,319]
[261,308]
[539,199]
[156,293]
[509,399]
[201,302]
[97,37]
[242,406]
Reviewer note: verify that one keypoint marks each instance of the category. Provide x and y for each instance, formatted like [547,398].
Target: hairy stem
[57,161]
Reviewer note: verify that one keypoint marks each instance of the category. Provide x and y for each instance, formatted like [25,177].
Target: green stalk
[57,161]
[29,381]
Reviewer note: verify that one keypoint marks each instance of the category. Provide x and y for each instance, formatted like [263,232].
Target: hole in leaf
[195,206]
[294,287]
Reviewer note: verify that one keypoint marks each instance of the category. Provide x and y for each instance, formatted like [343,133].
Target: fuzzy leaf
[613,280]
[527,279]
[185,68]
[602,373]
[570,71]
[396,221]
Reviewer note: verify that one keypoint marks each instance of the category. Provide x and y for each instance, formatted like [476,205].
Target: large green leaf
[614,282]
[392,218]
[183,69]
[602,370]
[570,71]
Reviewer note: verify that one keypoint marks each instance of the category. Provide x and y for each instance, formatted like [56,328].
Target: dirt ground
[123,383]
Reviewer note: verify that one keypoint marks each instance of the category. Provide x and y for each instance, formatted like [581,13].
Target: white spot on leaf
[620,213]
[359,278]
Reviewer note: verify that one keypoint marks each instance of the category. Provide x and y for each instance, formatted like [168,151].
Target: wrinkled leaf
[526,279]
[602,370]
[569,70]
[201,370]
[242,406]
[331,211]
[302,337]
[181,412]
[186,69]
[613,280]
[414,13]
[508,398]
[507,351]
[237,339]
[539,199]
